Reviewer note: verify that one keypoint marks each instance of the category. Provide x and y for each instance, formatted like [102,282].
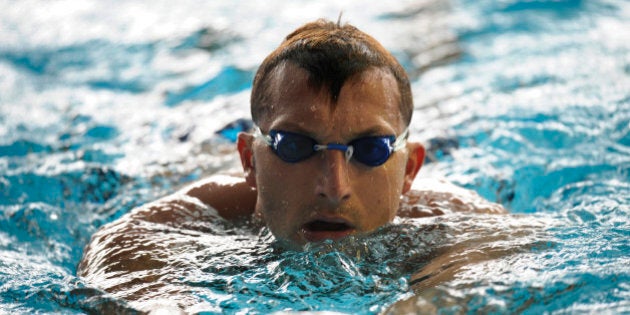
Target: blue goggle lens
[372,151]
[292,147]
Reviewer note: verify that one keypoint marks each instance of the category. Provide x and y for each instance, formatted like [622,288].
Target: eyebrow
[292,127]
[369,132]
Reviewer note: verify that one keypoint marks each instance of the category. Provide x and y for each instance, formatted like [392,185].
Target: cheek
[391,178]
[281,189]
[380,200]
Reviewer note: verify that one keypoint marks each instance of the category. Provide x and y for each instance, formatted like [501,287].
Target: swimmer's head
[330,53]
[331,157]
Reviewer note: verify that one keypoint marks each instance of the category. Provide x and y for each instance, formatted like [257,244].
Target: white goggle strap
[265,138]
[401,140]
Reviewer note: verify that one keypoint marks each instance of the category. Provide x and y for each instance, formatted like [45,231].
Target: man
[329,157]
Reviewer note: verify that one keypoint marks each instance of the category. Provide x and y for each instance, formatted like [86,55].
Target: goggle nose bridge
[348,149]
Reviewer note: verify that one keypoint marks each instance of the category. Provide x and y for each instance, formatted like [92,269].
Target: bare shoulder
[218,196]
[229,195]
[134,253]
[194,207]
[429,197]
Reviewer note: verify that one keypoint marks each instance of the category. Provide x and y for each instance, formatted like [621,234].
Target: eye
[293,147]
[372,151]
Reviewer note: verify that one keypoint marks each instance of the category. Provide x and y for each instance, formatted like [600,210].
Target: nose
[333,182]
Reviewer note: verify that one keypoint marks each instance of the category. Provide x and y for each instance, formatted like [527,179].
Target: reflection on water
[105,106]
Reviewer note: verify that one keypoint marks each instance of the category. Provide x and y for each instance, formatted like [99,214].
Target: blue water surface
[105,106]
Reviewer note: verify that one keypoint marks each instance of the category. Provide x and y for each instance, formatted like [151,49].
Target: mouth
[327,228]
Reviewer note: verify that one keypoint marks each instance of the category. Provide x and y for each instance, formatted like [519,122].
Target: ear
[244,146]
[414,163]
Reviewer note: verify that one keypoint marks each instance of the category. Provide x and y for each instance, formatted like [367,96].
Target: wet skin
[325,196]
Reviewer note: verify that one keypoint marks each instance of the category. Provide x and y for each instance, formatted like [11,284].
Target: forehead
[367,100]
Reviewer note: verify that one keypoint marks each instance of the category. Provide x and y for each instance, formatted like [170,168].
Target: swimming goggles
[294,147]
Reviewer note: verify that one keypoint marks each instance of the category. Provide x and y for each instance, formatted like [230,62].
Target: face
[326,196]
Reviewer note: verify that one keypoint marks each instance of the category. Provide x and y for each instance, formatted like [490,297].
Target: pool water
[106,105]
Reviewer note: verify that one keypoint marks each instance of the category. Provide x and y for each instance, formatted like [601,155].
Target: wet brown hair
[330,53]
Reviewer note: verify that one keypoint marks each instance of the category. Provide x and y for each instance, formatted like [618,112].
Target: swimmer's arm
[228,197]
[430,197]
[127,255]
[444,268]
